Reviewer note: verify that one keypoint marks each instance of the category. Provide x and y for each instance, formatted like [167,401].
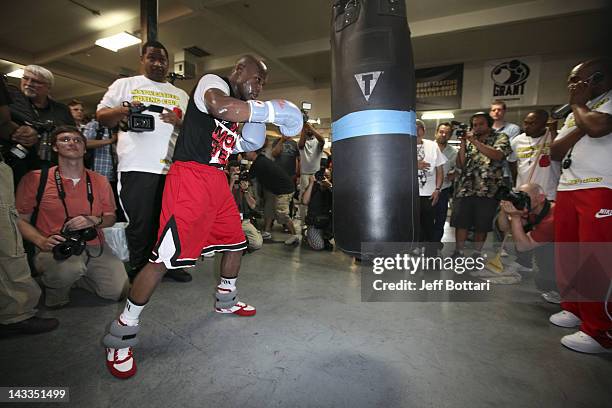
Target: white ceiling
[292,35]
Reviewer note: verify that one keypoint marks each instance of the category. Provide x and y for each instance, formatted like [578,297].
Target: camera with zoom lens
[461,128]
[137,121]
[17,151]
[244,171]
[519,199]
[243,176]
[304,115]
[75,243]
[320,175]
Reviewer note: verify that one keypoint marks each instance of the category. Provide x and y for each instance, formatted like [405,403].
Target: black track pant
[426,231]
[141,195]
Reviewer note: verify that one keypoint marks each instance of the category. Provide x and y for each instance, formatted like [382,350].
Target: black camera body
[320,175]
[304,115]
[243,176]
[16,151]
[519,199]
[75,243]
[244,172]
[138,121]
[461,128]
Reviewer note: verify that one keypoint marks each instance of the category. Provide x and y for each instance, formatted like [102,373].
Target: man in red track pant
[583,212]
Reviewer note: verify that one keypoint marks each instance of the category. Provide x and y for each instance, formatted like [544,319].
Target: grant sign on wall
[512,80]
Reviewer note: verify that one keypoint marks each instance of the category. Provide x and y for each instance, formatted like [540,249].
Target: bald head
[586,72]
[536,195]
[248,77]
[250,61]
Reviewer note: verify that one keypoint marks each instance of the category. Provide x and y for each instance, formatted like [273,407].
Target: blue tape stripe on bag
[374,122]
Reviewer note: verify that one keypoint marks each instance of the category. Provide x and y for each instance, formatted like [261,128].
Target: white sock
[227,285]
[131,313]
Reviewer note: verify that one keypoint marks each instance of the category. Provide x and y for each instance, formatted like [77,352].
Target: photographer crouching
[63,214]
[239,186]
[318,198]
[530,217]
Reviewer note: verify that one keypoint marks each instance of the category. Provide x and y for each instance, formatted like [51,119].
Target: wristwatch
[101,221]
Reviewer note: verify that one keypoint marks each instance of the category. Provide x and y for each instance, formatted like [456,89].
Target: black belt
[217,165]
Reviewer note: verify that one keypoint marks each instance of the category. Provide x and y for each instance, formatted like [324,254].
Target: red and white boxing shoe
[240,309]
[120,362]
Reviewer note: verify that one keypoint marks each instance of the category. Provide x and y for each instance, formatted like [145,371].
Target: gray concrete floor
[314,343]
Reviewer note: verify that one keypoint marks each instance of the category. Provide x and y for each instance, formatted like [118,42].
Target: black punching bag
[376,194]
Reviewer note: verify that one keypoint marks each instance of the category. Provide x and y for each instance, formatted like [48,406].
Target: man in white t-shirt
[530,160]
[311,145]
[144,157]
[584,209]
[431,175]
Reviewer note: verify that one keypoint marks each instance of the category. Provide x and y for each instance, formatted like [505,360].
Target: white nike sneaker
[583,343]
[565,319]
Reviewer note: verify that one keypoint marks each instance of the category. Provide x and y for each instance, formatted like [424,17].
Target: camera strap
[62,193]
[538,219]
[42,184]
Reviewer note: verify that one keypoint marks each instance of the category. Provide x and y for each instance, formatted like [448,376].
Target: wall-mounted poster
[513,80]
[439,87]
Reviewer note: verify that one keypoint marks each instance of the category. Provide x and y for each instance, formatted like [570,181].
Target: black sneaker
[179,275]
[33,325]
[458,254]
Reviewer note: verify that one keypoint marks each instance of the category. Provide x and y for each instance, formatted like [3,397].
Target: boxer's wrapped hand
[282,113]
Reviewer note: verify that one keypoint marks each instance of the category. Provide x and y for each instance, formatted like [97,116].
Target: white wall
[553,76]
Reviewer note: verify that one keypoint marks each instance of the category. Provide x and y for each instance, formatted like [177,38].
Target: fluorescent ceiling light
[118,41]
[18,73]
[437,115]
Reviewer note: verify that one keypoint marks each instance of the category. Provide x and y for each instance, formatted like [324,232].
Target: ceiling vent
[197,51]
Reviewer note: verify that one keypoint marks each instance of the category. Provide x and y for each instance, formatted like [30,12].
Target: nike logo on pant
[603,213]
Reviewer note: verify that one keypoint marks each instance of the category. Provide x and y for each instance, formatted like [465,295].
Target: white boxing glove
[253,137]
[282,113]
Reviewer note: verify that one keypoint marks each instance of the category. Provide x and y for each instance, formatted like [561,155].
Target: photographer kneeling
[533,228]
[63,216]
[318,198]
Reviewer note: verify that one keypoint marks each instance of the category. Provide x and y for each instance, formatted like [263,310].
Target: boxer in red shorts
[199,214]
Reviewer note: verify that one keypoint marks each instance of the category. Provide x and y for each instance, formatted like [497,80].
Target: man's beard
[29,93]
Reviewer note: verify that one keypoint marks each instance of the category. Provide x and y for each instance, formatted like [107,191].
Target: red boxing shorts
[198,216]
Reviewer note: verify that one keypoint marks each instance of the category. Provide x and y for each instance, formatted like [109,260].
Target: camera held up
[138,121]
[461,128]
[519,199]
